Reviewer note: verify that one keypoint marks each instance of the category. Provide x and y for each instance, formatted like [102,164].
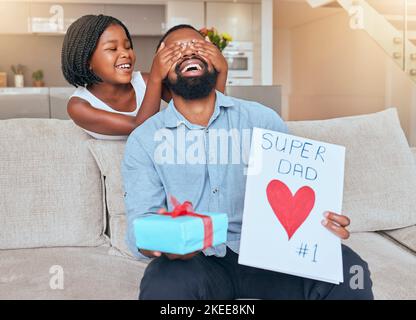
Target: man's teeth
[190,66]
[124,66]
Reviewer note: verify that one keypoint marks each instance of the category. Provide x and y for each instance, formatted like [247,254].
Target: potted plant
[18,75]
[221,40]
[37,77]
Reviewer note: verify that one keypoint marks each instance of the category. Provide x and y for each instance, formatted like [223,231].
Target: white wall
[328,70]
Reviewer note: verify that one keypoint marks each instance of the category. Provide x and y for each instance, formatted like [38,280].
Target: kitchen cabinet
[185,12]
[14,18]
[143,20]
[56,17]
[234,18]
[51,102]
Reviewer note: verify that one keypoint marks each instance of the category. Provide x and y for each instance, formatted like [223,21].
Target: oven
[239,56]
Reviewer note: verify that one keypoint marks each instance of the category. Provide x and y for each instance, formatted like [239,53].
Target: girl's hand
[164,60]
[211,52]
[337,224]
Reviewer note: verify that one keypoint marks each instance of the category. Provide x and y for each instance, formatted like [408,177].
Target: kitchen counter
[26,90]
[50,102]
[34,102]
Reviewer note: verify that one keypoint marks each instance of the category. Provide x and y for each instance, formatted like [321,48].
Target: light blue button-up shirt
[168,155]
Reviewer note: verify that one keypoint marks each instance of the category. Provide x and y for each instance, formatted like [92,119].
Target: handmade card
[291,182]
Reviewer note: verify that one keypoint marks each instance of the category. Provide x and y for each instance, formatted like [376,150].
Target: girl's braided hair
[79,44]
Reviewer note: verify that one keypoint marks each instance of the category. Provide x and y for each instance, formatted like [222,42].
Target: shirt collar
[173,118]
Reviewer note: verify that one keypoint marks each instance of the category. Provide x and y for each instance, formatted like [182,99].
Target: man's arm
[144,192]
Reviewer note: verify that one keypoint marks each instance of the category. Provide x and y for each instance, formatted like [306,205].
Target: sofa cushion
[380,173]
[109,155]
[88,273]
[389,265]
[52,193]
[118,228]
[405,236]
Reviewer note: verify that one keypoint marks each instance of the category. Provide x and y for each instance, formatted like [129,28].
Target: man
[158,162]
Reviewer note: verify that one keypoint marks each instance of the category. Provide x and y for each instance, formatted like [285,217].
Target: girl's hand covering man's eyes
[164,60]
[211,52]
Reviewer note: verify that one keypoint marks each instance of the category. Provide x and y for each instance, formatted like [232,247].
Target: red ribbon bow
[186,209]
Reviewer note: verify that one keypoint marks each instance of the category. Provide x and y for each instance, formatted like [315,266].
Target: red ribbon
[186,209]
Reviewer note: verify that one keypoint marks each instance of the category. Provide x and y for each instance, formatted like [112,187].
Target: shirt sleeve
[144,193]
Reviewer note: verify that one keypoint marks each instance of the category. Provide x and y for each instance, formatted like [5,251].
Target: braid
[79,44]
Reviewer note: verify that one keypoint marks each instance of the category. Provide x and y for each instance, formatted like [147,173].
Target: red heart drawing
[290,210]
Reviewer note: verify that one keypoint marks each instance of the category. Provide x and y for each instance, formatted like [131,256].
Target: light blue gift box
[180,235]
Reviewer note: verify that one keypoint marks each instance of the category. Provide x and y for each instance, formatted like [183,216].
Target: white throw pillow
[406,236]
[109,155]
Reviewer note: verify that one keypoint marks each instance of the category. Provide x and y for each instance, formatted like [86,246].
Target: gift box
[181,231]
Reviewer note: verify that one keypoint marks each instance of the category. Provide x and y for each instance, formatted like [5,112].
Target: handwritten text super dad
[295,149]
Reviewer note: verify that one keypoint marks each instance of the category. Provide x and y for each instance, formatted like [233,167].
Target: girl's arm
[164,59]
[99,121]
[151,101]
[109,123]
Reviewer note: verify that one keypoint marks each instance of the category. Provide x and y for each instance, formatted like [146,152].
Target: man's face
[192,77]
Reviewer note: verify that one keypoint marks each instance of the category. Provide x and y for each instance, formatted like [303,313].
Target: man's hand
[337,224]
[181,257]
[150,253]
[170,256]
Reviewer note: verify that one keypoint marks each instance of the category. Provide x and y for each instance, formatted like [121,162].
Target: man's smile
[192,67]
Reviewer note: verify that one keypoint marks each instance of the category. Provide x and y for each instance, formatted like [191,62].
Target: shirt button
[215,191]
[206,130]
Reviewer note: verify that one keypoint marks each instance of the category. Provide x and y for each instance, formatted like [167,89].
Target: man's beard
[192,88]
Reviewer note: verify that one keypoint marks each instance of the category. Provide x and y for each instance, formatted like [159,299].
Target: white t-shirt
[139,88]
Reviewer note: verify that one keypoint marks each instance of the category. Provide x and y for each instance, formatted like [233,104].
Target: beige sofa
[62,217]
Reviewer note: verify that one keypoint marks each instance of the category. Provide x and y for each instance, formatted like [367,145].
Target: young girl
[111,99]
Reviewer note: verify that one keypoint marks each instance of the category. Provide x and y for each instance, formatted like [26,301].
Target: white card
[291,182]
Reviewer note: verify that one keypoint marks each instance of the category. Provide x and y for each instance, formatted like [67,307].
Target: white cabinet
[14,18]
[56,17]
[185,12]
[143,20]
[237,19]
